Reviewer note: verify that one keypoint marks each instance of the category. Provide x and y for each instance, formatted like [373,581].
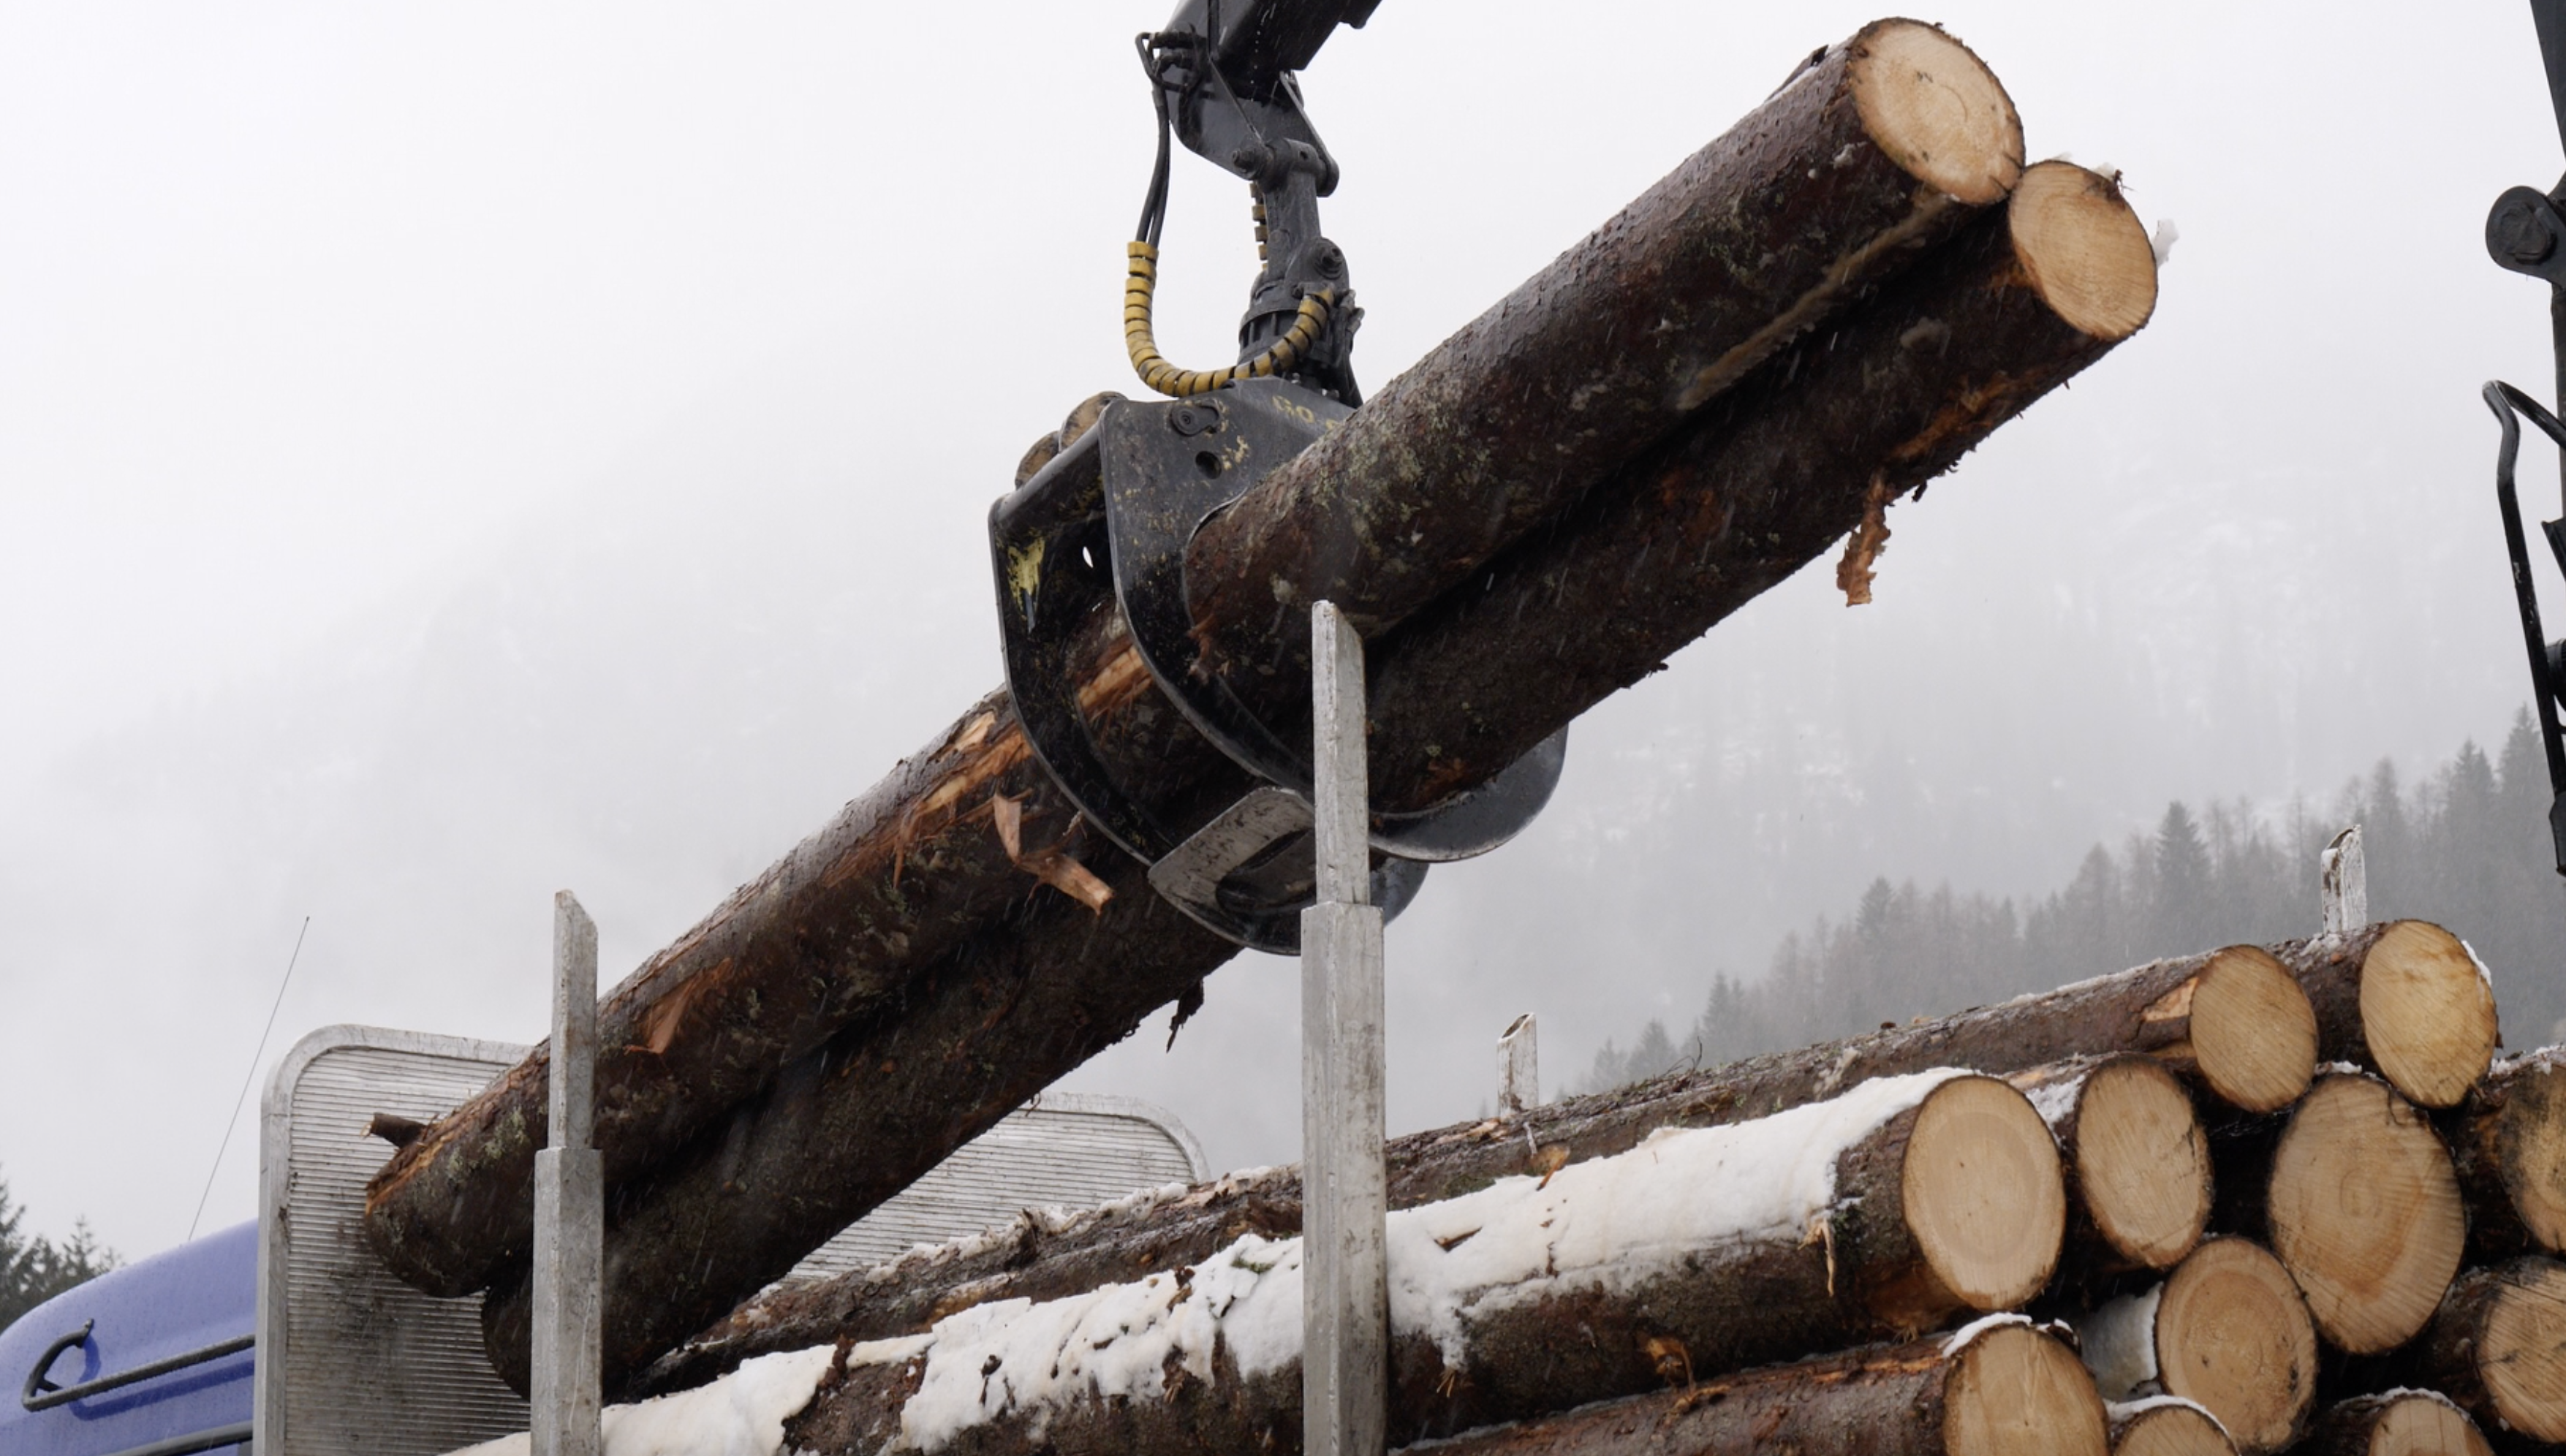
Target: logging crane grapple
[1106,515]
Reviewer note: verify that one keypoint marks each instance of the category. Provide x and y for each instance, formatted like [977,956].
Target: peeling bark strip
[1707,1251]
[1882,146]
[1003,1015]
[2166,1006]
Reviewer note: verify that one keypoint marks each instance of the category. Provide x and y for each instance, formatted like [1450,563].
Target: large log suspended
[1876,148]
[1769,478]
[1888,1211]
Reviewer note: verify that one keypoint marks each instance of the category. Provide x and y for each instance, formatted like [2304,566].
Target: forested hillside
[2465,846]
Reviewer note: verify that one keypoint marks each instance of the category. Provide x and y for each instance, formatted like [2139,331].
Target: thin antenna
[247,1077]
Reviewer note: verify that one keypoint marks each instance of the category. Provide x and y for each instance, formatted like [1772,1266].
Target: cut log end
[2530,1147]
[1933,108]
[2428,1013]
[2521,1357]
[2233,1336]
[2018,1393]
[2142,1164]
[2405,1423]
[2168,1429]
[2087,252]
[1983,1193]
[2364,1210]
[2254,1029]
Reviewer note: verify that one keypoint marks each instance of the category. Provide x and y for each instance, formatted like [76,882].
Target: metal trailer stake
[1345,1301]
[570,1205]
[1519,1065]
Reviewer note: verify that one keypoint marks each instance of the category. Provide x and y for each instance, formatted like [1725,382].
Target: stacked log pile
[1813,316]
[2034,1226]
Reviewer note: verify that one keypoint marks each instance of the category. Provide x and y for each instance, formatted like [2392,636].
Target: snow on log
[1876,148]
[2227,995]
[1760,486]
[2227,1330]
[2009,1392]
[2167,1425]
[2406,999]
[2508,1141]
[2138,1163]
[1889,1209]
[2398,1423]
[2498,1346]
[742,1414]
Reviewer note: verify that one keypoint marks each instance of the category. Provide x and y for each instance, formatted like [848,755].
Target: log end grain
[2018,1393]
[2499,1346]
[2233,1336]
[1934,108]
[2400,1423]
[2087,252]
[2168,1428]
[2141,1165]
[2254,1029]
[2530,1152]
[1984,1196]
[2364,1210]
[2428,1013]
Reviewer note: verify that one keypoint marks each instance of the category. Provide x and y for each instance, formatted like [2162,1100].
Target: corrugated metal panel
[368,1363]
[352,1360]
[1068,1151]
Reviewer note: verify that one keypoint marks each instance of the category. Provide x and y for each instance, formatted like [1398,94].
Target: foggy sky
[452,453]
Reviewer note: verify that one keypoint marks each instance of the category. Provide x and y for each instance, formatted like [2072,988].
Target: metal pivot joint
[1104,526]
[1223,80]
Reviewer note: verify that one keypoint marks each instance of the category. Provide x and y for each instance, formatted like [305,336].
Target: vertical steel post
[570,1205]
[1519,1065]
[1345,1299]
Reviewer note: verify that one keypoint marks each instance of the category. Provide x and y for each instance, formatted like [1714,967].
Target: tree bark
[2166,1427]
[2498,1346]
[2404,998]
[2227,1330]
[1867,412]
[1835,182]
[2152,1008]
[2400,1423]
[2508,1141]
[1480,1338]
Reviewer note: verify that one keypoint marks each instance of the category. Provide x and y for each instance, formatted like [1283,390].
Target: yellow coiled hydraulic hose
[1167,378]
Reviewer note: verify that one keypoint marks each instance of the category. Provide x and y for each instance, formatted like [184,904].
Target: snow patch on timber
[2118,1411]
[740,1415]
[2055,1100]
[2119,1344]
[1961,1337]
[1610,1223]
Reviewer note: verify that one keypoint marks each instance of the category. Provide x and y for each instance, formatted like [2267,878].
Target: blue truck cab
[151,1359]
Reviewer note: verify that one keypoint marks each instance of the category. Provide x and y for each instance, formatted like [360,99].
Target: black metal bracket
[1106,525]
[1226,78]
[2547,658]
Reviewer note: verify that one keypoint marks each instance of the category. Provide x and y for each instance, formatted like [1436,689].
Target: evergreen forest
[2465,846]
